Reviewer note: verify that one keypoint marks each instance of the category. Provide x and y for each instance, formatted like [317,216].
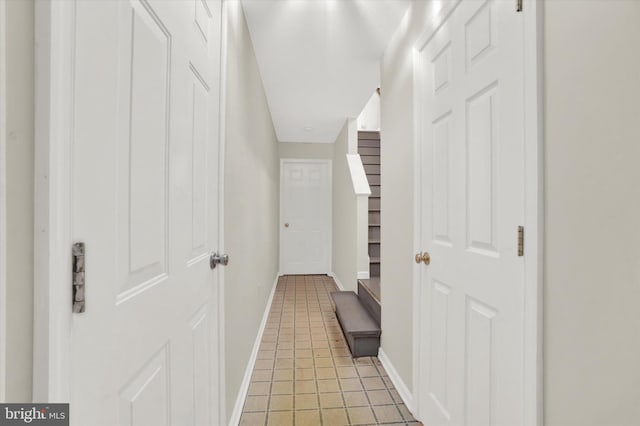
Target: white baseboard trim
[401,387]
[337,280]
[234,420]
[363,275]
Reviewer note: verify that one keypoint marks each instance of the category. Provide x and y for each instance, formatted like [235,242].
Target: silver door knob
[218,259]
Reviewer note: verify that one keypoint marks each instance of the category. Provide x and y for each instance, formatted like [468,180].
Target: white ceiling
[319,59]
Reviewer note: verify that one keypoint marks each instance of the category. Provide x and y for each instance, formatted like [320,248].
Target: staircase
[369,150]
[369,290]
[359,314]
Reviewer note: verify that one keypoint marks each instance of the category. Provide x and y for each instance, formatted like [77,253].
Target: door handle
[218,259]
[286,225]
[423,257]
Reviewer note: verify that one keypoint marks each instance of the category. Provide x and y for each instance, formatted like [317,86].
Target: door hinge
[520,240]
[519,5]
[78,278]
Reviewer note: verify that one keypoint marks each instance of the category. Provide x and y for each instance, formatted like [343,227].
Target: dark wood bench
[359,328]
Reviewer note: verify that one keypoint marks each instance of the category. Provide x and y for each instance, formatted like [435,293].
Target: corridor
[149,233]
[304,373]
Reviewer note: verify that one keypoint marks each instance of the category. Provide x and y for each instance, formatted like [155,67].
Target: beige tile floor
[304,374]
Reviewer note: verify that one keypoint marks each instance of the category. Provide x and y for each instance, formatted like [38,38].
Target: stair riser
[372,169]
[374,249]
[374,233]
[371,304]
[371,143]
[370,160]
[369,134]
[374,217]
[363,346]
[365,150]
[374,179]
[374,269]
[374,203]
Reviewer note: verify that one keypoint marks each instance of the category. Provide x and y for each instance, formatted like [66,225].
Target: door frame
[55,38]
[54,77]
[329,164]
[3,205]
[533,206]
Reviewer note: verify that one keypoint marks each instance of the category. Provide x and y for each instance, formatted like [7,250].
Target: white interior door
[145,203]
[305,217]
[472,172]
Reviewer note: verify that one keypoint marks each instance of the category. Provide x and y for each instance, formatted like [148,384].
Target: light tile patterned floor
[304,374]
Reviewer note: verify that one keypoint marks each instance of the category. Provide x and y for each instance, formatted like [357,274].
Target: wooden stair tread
[353,316]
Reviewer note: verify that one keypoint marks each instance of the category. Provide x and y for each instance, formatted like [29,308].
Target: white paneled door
[145,202]
[472,183]
[305,217]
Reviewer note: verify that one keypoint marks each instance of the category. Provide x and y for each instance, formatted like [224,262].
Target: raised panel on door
[441,65]
[144,401]
[439,380]
[202,16]
[480,363]
[204,36]
[143,125]
[199,137]
[200,326]
[442,179]
[482,175]
[480,33]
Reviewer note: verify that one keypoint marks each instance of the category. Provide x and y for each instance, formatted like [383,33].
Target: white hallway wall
[20,178]
[592,261]
[345,248]
[316,151]
[592,255]
[251,210]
